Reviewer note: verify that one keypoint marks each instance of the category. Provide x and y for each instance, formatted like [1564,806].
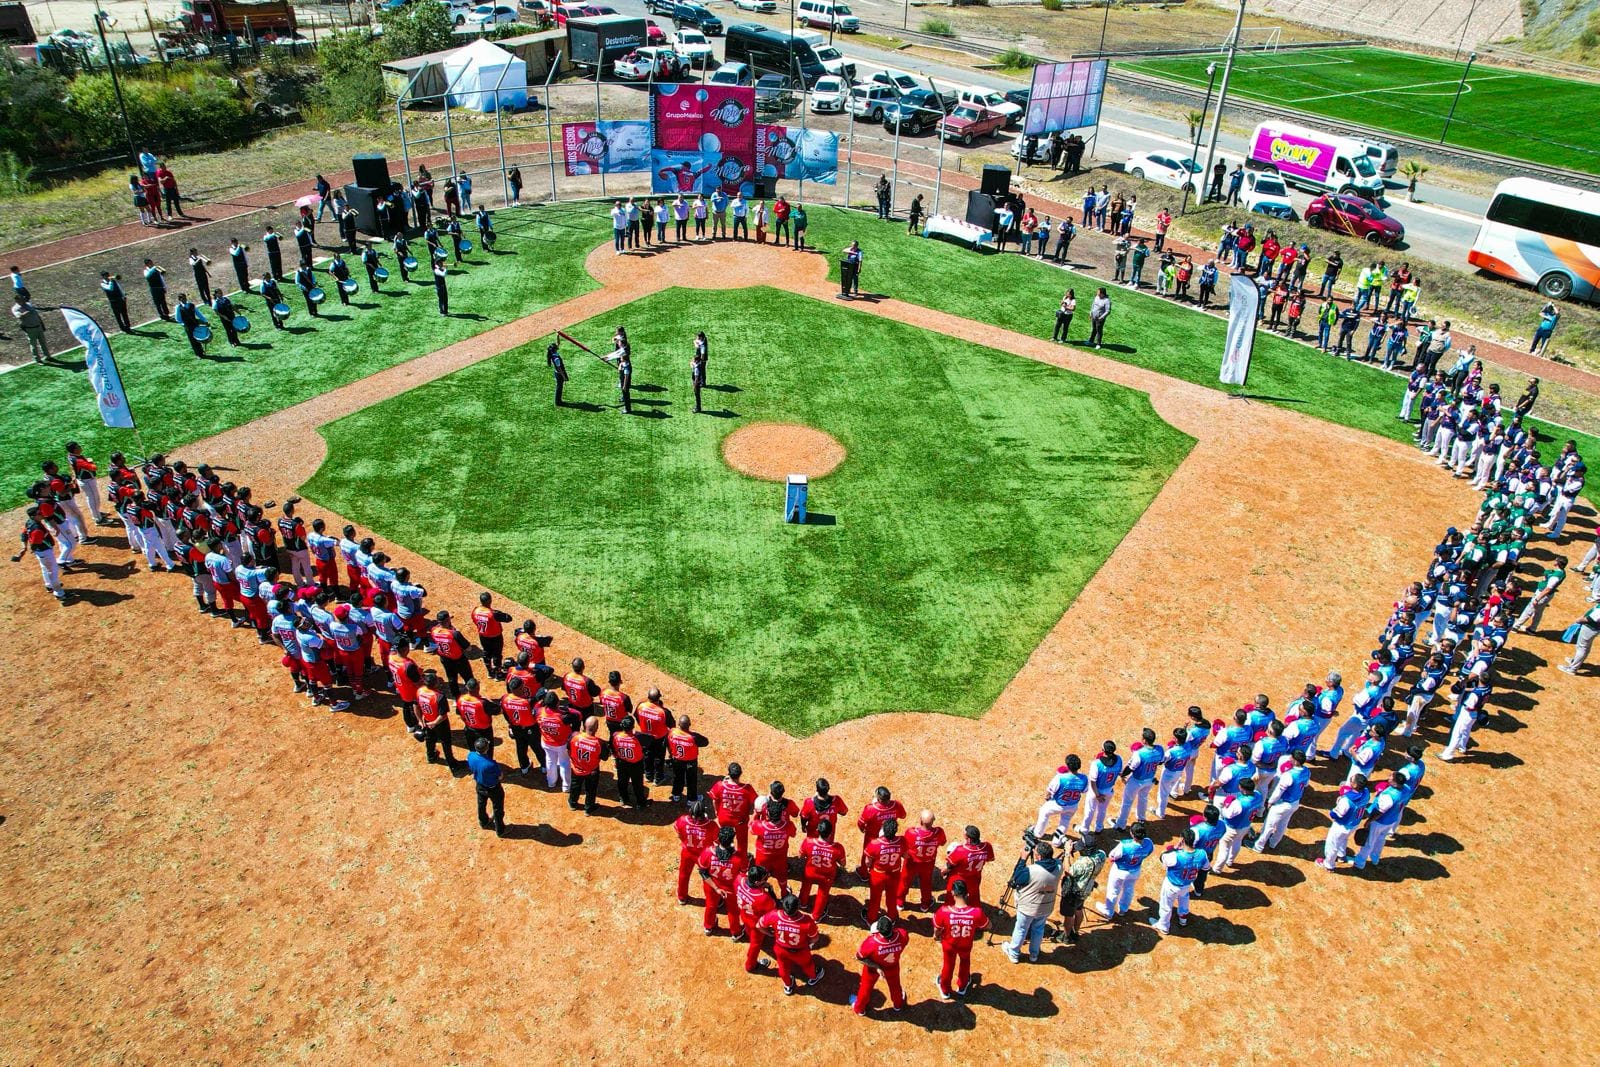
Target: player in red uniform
[517,707]
[474,712]
[733,801]
[872,817]
[628,758]
[824,805]
[793,932]
[618,705]
[880,955]
[450,645]
[586,751]
[580,688]
[655,723]
[683,752]
[884,861]
[923,843]
[720,867]
[487,620]
[407,677]
[772,828]
[696,829]
[824,857]
[967,860]
[433,709]
[527,640]
[754,898]
[957,925]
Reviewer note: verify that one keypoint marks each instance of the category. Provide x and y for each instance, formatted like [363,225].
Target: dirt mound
[775,450]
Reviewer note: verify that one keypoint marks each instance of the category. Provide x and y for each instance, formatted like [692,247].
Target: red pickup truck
[967,123]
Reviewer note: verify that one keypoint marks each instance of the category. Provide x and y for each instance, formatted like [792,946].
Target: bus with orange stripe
[1544,235]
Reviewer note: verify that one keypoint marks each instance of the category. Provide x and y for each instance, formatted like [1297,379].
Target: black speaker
[996,180]
[764,188]
[365,201]
[372,171]
[980,209]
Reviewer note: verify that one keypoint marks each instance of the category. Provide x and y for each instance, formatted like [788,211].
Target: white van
[1384,156]
[833,61]
[1315,161]
[827,14]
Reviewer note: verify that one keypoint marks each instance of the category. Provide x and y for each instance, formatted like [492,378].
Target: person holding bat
[558,368]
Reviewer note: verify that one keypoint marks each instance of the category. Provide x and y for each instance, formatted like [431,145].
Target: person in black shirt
[189,319]
[305,281]
[273,243]
[241,263]
[341,274]
[441,287]
[225,315]
[558,369]
[112,284]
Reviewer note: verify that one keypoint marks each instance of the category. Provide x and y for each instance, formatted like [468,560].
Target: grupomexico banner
[606,147]
[793,153]
[704,137]
[1244,307]
[102,365]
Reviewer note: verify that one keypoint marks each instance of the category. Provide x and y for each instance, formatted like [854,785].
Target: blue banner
[103,376]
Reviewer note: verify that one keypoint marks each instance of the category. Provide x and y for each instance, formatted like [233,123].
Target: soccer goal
[1255,39]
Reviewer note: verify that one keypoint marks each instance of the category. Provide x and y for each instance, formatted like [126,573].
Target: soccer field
[979,494]
[1508,112]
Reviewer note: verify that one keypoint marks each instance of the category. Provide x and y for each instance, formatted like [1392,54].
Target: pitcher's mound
[775,450]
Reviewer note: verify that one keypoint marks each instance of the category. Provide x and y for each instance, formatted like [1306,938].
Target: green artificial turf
[538,262]
[1021,294]
[1509,112]
[981,492]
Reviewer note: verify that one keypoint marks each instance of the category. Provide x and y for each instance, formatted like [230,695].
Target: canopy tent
[483,76]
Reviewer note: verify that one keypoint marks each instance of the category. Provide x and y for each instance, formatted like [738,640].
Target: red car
[1355,217]
[654,34]
[967,123]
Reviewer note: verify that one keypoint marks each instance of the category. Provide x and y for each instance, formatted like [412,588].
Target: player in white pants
[1103,774]
[1469,706]
[1062,796]
[1179,762]
[1347,812]
[1283,800]
[1183,864]
[1384,810]
[1195,733]
[1139,777]
[1125,860]
[1236,816]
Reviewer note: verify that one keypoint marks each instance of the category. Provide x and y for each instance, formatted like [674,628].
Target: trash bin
[794,504]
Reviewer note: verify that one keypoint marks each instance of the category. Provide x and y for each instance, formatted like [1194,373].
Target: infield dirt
[201,868]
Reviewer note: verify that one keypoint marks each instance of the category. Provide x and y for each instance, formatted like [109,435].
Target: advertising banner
[606,147]
[1244,309]
[1065,96]
[792,153]
[104,377]
[1292,153]
[704,137]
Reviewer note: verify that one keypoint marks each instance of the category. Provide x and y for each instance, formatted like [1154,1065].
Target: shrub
[940,27]
[352,83]
[1052,5]
[35,122]
[417,29]
[1017,59]
[185,110]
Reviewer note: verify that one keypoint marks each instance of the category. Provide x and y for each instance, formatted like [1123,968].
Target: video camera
[1030,840]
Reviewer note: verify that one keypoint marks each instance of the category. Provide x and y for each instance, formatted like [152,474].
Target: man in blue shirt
[486,775]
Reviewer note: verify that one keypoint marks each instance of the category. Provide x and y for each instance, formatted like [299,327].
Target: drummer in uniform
[189,318]
[454,230]
[369,260]
[305,281]
[341,274]
[274,298]
[226,313]
[402,252]
[440,273]
[272,241]
[485,228]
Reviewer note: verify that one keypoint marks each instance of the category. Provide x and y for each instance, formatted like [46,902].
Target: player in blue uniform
[1183,865]
[1139,776]
[1062,796]
[1125,859]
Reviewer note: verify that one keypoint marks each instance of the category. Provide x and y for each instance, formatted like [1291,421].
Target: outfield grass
[1021,294]
[980,494]
[177,399]
[1509,112]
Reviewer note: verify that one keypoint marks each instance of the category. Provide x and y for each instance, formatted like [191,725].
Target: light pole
[1222,92]
[1457,98]
[1199,127]
[101,19]
[1104,23]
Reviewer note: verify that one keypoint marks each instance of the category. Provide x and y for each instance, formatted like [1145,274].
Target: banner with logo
[606,147]
[704,137]
[1065,96]
[792,153]
[103,375]
[1244,308]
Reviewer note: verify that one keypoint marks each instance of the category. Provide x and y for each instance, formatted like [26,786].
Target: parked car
[1020,97]
[654,34]
[458,10]
[990,100]
[918,111]
[1164,169]
[832,60]
[699,17]
[485,15]
[693,47]
[1040,153]
[871,101]
[826,14]
[1354,216]
[662,64]
[568,11]
[1265,194]
[829,95]
[732,74]
[661,7]
[537,8]
[773,96]
[897,80]
[766,7]
[968,123]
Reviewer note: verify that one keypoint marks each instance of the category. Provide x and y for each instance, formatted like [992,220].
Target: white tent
[483,76]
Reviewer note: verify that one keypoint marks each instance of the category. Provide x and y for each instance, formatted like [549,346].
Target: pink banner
[705,137]
[1292,154]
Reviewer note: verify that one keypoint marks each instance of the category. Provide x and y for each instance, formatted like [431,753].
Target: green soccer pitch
[1508,112]
[980,493]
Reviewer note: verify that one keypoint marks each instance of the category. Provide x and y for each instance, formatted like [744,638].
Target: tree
[352,78]
[35,121]
[1195,119]
[417,29]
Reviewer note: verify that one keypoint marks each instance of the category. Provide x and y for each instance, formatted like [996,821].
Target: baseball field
[1018,549]
[1509,112]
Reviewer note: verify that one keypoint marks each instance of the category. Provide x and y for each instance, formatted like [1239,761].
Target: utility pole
[1457,98]
[100,21]
[1194,149]
[1222,93]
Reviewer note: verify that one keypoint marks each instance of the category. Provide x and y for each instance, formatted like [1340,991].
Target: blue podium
[794,502]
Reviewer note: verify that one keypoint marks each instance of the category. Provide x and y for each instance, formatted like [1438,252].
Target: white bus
[1544,235]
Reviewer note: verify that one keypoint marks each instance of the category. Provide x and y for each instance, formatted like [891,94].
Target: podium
[794,502]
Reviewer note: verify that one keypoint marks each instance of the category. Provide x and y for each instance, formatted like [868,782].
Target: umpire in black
[487,775]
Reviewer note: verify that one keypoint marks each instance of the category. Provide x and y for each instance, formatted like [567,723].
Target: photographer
[1035,879]
[1077,886]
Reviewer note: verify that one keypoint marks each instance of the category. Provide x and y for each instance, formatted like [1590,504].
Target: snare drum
[466,246]
[281,310]
[241,324]
[349,285]
[410,262]
[381,273]
[316,295]
[202,333]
